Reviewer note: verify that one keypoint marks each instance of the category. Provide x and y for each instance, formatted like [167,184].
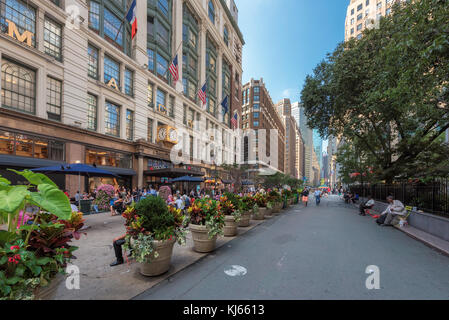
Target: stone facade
[98,95]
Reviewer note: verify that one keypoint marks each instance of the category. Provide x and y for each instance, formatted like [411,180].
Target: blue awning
[188,179]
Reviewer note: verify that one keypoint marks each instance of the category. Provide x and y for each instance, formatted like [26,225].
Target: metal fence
[430,198]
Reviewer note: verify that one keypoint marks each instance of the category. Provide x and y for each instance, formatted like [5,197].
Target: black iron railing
[432,197]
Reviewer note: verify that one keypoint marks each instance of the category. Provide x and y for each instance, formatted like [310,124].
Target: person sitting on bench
[391,215]
[367,205]
[117,244]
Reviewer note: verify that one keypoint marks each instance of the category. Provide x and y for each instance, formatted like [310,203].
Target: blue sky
[286,39]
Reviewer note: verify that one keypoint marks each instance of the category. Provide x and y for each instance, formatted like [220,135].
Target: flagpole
[171,61]
[123,20]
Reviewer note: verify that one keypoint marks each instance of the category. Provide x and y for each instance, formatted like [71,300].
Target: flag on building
[202,93]
[234,120]
[224,104]
[174,69]
[132,18]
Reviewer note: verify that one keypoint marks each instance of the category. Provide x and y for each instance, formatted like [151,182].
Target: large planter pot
[245,220]
[277,209]
[201,241]
[161,264]
[259,214]
[230,228]
[269,214]
[49,292]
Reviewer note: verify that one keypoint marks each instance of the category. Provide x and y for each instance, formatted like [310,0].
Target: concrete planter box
[260,214]
[161,264]
[245,220]
[49,292]
[230,228]
[201,241]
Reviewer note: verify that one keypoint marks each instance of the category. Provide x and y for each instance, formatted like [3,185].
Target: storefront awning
[172,173]
[24,162]
[119,171]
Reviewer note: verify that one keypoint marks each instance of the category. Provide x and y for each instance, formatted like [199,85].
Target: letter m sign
[13,32]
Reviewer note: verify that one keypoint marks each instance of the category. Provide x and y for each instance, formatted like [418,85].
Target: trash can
[85,206]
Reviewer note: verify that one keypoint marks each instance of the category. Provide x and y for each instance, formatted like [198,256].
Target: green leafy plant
[30,255]
[152,220]
[207,212]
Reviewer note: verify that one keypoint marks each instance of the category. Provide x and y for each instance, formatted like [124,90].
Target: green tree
[387,93]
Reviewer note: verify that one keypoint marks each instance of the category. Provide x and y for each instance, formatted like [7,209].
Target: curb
[431,241]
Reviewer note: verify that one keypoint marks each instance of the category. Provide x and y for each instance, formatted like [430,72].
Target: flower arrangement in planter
[275,199]
[287,196]
[152,229]
[35,247]
[261,202]
[232,214]
[248,206]
[206,223]
[104,195]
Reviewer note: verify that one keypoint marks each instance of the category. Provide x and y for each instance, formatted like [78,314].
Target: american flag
[234,120]
[202,93]
[174,69]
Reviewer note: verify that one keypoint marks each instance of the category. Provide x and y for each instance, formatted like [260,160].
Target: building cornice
[231,18]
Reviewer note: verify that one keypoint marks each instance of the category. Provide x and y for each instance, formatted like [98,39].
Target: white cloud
[287,93]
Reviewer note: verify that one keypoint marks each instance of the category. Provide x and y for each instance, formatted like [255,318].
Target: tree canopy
[387,93]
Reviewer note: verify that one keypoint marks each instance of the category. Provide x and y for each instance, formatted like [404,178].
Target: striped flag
[202,93]
[174,69]
[132,18]
[234,120]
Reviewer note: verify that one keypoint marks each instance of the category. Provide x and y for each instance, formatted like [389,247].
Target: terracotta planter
[245,220]
[201,241]
[161,264]
[49,292]
[259,214]
[230,228]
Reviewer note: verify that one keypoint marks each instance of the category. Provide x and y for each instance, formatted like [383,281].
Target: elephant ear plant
[32,253]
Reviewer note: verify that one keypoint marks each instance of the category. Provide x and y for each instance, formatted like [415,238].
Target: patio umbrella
[77,169]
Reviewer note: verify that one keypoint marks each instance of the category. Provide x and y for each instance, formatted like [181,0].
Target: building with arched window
[84,90]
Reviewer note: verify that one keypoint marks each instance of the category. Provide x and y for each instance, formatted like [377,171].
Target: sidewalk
[99,281]
[432,241]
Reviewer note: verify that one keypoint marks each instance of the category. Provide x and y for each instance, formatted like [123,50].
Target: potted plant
[262,210]
[104,195]
[231,213]
[206,223]
[152,230]
[35,247]
[246,207]
[276,200]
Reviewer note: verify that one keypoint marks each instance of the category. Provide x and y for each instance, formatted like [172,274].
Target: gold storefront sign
[13,32]
[113,84]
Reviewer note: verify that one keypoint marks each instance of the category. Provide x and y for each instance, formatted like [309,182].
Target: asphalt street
[313,253]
